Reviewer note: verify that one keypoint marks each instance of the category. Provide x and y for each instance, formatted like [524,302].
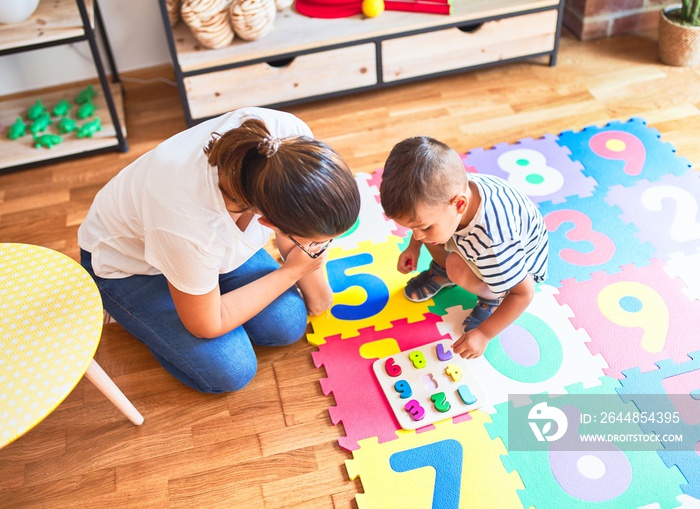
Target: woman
[175,242]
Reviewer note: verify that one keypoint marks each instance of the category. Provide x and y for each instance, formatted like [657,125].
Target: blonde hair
[420,170]
[301,185]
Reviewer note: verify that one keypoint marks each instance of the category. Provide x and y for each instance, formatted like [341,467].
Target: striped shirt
[507,239]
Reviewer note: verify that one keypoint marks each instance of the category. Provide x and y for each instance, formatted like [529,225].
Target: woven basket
[208,21]
[173,11]
[253,19]
[679,45]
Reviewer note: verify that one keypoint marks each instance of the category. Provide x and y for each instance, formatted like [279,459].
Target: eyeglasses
[315,249]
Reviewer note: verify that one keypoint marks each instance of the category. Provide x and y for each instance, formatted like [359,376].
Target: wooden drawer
[451,48]
[305,76]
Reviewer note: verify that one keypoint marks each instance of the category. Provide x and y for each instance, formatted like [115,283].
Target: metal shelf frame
[90,35]
[182,74]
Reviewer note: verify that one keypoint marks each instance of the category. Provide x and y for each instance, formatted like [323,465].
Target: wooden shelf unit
[54,23]
[21,152]
[305,58]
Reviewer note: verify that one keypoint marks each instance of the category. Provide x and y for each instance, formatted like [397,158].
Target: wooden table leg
[105,384]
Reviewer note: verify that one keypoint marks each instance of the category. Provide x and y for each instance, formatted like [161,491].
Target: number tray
[440,383]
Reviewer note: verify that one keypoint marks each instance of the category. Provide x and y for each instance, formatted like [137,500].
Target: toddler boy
[482,233]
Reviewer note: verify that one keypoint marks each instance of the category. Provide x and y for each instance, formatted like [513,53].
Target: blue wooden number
[403,388]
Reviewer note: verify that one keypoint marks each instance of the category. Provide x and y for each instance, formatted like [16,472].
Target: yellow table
[50,325]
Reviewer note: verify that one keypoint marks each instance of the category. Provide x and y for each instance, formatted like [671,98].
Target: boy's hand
[408,260]
[471,344]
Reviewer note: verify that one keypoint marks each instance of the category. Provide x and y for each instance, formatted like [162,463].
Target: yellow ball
[372,8]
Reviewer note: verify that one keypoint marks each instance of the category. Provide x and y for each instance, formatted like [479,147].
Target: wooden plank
[63,494]
[294,32]
[52,21]
[240,485]
[22,151]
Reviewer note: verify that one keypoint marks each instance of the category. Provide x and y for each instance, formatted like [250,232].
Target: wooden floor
[272,445]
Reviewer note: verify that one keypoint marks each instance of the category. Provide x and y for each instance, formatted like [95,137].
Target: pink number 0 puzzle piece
[428,384]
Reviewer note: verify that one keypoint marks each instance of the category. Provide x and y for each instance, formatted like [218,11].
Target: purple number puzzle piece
[666,212]
[541,168]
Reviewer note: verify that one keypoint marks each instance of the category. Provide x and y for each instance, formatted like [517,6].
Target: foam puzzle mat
[618,316]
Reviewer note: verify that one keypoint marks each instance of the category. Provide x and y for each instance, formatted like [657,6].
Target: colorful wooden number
[414,409]
[392,369]
[403,388]
[465,394]
[442,354]
[454,372]
[440,402]
[418,359]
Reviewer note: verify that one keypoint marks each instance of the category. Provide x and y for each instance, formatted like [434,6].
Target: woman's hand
[318,296]
[302,264]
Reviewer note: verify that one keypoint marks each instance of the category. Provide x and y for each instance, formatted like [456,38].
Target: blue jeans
[144,307]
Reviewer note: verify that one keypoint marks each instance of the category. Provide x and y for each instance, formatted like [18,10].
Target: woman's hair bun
[269,146]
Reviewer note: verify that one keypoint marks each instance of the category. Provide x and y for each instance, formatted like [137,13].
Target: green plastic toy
[17,130]
[86,110]
[41,123]
[90,128]
[47,140]
[61,108]
[36,110]
[66,125]
[85,95]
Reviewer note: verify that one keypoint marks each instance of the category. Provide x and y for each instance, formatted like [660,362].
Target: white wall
[136,34]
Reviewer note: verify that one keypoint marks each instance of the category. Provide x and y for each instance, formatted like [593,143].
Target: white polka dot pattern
[50,326]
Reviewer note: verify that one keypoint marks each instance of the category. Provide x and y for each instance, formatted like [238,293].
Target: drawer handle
[280,62]
[469,28]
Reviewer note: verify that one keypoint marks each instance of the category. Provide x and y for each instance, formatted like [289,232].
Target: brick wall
[591,19]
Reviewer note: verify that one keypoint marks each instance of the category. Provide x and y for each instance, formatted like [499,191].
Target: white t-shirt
[164,213]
